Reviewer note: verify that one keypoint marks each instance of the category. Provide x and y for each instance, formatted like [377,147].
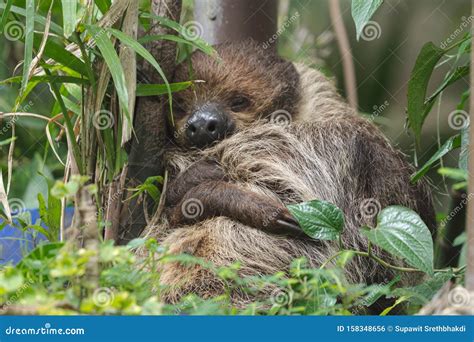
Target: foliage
[80,59]
[362,11]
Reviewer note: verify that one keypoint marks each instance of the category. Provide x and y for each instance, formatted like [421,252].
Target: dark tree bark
[448,255]
[221,20]
[147,145]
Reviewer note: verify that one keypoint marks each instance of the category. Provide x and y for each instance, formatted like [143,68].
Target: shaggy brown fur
[244,181]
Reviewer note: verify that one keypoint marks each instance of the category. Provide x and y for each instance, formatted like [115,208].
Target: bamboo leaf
[47,79]
[451,144]
[138,48]
[69,16]
[420,76]
[62,56]
[29,37]
[39,19]
[207,49]
[197,42]
[5,14]
[161,89]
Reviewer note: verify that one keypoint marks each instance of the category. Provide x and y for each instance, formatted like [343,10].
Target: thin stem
[369,254]
[345,50]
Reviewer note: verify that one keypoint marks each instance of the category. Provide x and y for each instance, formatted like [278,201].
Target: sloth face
[245,84]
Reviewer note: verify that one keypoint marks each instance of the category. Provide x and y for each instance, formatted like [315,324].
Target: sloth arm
[201,171]
[214,198]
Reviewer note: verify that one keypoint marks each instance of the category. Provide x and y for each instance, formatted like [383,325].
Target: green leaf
[362,11]
[401,232]
[149,187]
[420,76]
[47,79]
[61,56]
[200,45]
[41,253]
[39,19]
[160,89]
[69,16]
[5,14]
[138,48]
[29,38]
[450,78]
[319,219]
[451,144]
[453,173]
[198,42]
[464,154]
[7,141]
[50,215]
[423,293]
[103,5]
[10,280]
[112,60]
[378,290]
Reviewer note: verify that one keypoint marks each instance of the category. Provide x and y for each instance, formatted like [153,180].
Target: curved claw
[289,226]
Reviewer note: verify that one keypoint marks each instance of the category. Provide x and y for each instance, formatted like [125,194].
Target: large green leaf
[423,293]
[362,11]
[420,76]
[319,219]
[401,232]
[451,144]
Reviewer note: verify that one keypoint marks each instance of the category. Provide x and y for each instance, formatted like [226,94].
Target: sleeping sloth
[255,134]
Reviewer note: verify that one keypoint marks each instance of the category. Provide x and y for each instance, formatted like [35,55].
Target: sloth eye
[239,103]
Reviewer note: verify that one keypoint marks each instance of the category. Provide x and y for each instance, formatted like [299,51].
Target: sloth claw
[288,226]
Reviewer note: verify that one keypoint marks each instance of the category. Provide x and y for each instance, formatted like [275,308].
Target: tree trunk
[147,145]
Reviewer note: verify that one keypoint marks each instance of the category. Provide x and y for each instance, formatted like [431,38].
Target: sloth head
[246,83]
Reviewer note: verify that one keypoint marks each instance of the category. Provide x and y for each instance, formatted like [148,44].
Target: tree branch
[345,50]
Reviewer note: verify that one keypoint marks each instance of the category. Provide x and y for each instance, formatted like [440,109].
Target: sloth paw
[280,221]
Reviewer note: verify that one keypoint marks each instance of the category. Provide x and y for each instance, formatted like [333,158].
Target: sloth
[253,134]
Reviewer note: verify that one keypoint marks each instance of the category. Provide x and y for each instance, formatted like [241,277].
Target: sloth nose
[206,126]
